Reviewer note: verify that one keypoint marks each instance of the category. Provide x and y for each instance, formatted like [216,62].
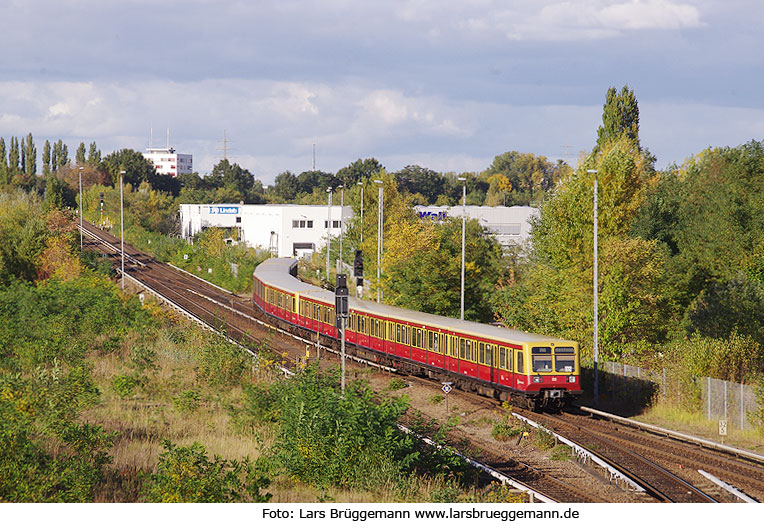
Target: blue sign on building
[224,210]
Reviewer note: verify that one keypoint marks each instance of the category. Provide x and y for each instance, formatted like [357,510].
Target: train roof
[276,272]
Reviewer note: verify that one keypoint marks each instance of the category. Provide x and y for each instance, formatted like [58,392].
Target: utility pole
[596,296]
[328,233]
[81,246]
[122,223]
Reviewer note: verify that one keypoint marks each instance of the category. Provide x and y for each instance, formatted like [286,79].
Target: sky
[441,84]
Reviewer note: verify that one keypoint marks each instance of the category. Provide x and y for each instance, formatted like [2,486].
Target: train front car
[552,376]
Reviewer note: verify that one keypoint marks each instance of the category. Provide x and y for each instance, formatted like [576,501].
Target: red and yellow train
[531,370]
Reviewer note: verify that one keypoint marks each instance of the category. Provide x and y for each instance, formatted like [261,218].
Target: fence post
[725,400]
[709,397]
[742,406]
[664,382]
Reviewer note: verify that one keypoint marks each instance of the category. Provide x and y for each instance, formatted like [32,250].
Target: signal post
[341,311]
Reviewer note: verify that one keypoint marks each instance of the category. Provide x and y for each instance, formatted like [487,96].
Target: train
[527,369]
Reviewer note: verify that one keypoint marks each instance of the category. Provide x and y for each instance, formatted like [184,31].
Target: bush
[506,428]
[221,363]
[187,401]
[124,385]
[327,439]
[186,474]
[397,384]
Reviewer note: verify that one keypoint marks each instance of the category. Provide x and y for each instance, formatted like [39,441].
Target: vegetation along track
[226,312]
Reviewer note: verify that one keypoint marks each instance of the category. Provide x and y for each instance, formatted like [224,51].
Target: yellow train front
[528,369]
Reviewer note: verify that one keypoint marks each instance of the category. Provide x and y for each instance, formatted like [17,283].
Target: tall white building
[167,162]
[285,229]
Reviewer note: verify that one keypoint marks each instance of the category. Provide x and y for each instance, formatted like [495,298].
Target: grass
[697,424]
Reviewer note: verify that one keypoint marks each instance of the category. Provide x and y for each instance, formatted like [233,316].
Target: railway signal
[341,311]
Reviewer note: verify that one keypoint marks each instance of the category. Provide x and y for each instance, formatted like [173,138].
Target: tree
[527,177]
[31,156]
[237,181]
[13,157]
[286,186]
[94,154]
[46,158]
[414,179]
[360,170]
[3,163]
[137,168]
[79,157]
[620,116]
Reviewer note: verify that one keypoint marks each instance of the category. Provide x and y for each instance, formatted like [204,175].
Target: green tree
[528,177]
[286,186]
[360,170]
[79,156]
[94,154]
[13,157]
[136,167]
[3,163]
[620,116]
[237,182]
[31,155]
[414,179]
[46,158]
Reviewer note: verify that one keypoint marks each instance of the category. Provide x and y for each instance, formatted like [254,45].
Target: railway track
[224,312]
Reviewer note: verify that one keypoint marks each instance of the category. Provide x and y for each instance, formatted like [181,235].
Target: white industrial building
[285,229]
[167,162]
[510,225]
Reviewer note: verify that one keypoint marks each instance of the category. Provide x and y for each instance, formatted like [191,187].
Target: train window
[397,332]
[564,359]
[462,349]
[489,355]
[503,358]
[468,355]
[405,334]
[541,359]
[520,364]
[436,346]
[481,353]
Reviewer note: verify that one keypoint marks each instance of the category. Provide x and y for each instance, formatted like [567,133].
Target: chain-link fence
[736,403]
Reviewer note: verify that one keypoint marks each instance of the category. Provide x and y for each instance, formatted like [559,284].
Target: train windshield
[564,359]
[541,358]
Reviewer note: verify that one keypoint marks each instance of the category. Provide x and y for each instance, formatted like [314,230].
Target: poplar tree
[3,162]
[13,157]
[79,157]
[620,117]
[23,151]
[94,154]
[30,154]
[46,158]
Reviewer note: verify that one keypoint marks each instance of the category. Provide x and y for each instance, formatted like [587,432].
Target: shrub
[506,428]
[221,363]
[436,399]
[186,474]
[124,385]
[187,401]
[397,384]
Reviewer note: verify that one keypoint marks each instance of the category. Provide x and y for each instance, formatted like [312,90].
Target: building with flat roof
[510,225]
[167,162]
[285,229]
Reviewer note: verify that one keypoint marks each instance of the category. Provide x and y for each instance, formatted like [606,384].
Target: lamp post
[122,223]
[360,183]
[464,221]
[342,221]
[328,233]
[81,208]
[596,296]
[379,239]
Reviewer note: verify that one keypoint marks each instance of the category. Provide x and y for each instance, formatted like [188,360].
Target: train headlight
[536,378]
[571,379]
